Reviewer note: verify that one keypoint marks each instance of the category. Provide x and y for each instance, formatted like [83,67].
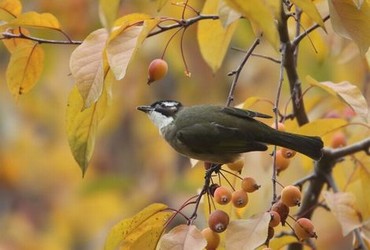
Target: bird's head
[162,113]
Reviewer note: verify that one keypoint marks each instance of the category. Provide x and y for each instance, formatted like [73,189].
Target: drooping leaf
[183,237]
[259,14]
[347,92]
[247,234]
[142,231]
[82,124]
[108,10]
[213,38]
[87,66]
[10,9]
[125,40]
[309,8]
[227,14]
[342,205]
[36,20]
[25,67]
[351,21]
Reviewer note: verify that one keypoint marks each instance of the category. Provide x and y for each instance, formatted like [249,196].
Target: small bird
[220,134]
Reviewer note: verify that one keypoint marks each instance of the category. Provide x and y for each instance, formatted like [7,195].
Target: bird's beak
[145,109]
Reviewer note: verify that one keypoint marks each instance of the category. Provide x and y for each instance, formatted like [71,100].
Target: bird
[220,134]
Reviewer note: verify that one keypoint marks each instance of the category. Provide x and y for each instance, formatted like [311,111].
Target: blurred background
[44,201]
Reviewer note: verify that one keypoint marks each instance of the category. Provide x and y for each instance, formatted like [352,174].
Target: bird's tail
[307,145]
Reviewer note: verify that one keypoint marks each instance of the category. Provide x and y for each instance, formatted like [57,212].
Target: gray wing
[215,138]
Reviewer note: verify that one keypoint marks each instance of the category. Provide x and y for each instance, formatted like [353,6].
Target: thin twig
[9,35]
[237,72]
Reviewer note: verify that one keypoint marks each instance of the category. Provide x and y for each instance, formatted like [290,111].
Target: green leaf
[346,92]
[142,231]
[213,38]
[87,66]
[25,68]
[82,124]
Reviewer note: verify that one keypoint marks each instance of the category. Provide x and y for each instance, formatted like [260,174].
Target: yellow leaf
[347,92]
[321,127]
[24,69]
[142,231]
[81,125]
[310,9]
[342,205]
[351,21]
[259,14]
[108,10]
[87,66]
[247,234]
[14,43]
[227,14]
[10,9]
[280,242]
[183,237]
[213,38]
[125,40]
[36,20]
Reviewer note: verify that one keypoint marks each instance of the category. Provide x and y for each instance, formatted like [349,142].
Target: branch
[9,35]
[289,65]
[183,23]
[236,72]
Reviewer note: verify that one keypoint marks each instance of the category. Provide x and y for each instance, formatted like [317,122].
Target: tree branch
[9,35]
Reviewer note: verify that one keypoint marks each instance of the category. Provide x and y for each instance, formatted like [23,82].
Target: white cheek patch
[159,120]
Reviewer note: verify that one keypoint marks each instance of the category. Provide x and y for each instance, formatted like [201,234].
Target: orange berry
[282,163]
[275,219]
[212,188]
[218,221]
[338,140]
[249,184]
[288,153]
[236,165]
[222,195]
[282,210]
[212,238]
[239,198]
[304,229]
[157,70]
[291,196]
[280,126]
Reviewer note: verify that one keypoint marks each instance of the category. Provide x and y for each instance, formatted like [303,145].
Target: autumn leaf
[309,8]
[227,15]
[108,10]
[346,92]
[13,44]
[87,66]
[351,21]
[213,38]
[183,237]
[247,234]
[342,205]
[82,124]
[126,39]
[36,20]
[260,15]
[24,68]
[321,127]
[10,9]
[142,231]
